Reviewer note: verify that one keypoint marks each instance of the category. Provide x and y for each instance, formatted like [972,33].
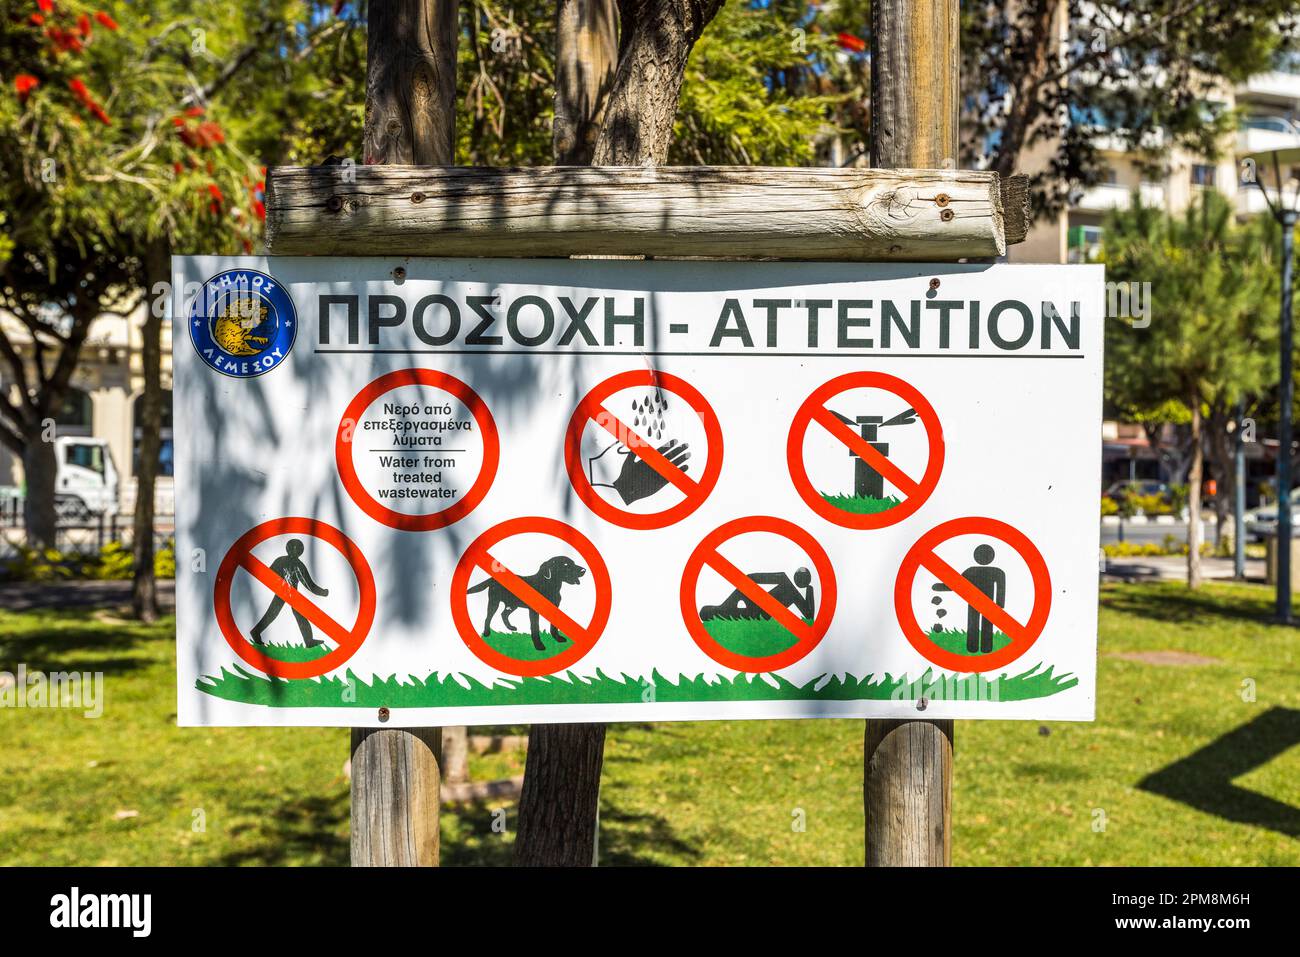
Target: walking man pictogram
[992,581]
[290,567]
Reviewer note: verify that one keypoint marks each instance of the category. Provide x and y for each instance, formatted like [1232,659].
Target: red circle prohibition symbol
[592,408]
[807,637]
[581,638]
[915,491]
[241,555]
[922,555]
[346,439]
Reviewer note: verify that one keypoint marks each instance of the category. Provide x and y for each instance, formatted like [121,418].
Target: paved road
[1152,533]
[27,596]
[1174,568]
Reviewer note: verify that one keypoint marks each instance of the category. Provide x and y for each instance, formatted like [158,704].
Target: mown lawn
[131,788]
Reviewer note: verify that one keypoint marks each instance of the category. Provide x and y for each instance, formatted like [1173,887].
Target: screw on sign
[281,578]
[762,601]
[538,595]
[867,507]
[344,447]
[645,468]
[982,587]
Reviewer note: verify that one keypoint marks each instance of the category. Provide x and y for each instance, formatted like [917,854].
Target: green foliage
[749,96]
[113,562]
[1170,546]
[1212,332]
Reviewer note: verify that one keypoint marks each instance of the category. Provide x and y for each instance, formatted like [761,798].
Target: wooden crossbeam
[666,212]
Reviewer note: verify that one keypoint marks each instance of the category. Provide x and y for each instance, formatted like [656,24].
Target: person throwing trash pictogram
[992,582]
[290,567]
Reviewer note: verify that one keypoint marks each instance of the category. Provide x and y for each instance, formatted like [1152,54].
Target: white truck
[87,480]
[86,484]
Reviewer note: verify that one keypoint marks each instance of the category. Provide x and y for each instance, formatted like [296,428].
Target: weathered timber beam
[713,212]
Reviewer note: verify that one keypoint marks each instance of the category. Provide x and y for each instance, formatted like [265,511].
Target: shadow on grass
[1203,779]
[628,839]
[1175,602]
[57,648]
[306,830]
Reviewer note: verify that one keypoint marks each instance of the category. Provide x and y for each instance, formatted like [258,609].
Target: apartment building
[1269,108]
[1268,111]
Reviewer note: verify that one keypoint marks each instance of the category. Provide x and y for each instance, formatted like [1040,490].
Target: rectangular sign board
[441,492]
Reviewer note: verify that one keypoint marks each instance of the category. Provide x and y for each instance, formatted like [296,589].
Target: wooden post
[586,47]
[410,118]
[907,779]
[559,804]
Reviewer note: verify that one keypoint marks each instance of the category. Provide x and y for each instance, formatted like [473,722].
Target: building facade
[103,401]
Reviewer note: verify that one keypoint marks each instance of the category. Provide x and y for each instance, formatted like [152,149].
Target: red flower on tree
[24,83]
[78,88]
[83,25]
[106,21]
[47,6]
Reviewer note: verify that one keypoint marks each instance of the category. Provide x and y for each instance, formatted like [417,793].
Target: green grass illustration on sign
[862,504]
[447,691]
[519,645]
[752,637]
[284,652]
[954,640]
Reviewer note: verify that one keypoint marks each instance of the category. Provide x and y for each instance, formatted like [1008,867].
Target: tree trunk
[656,38]
[1194,500]
[144,589]
[40,470]
[561,797]
[1037,49]
[455,755]
[411,82]
[1219,447]
[560,803]
[410,118]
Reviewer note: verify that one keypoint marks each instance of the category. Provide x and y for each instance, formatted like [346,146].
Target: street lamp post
[1286,218]
[1239,498]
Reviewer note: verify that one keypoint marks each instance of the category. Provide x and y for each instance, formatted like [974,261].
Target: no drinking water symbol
[643,460]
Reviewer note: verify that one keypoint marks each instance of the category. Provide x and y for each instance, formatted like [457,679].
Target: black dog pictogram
[554,573]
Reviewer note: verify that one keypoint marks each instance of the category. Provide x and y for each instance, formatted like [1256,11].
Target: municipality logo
[243,323]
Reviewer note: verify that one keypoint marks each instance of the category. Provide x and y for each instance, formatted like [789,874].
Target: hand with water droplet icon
[636,479]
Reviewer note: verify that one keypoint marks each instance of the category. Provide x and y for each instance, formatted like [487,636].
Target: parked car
[1261,522]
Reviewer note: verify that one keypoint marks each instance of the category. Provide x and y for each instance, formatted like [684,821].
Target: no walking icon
[283,578]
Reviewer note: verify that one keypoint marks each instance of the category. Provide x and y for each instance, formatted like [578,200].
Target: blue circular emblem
[243,323]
